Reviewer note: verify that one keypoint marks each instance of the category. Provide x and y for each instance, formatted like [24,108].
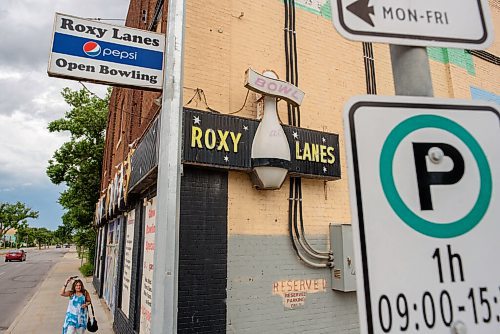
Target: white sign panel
[98,52]
[446,23]
[127,262]
[148,266]
[424,181]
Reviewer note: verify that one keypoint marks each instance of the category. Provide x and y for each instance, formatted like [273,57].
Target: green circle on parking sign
[432,229]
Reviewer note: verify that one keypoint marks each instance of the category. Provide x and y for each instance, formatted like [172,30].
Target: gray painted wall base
[255,263]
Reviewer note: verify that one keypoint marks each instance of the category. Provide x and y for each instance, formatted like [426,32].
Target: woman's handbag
[92,323]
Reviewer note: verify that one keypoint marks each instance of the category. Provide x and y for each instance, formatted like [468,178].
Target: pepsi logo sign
[92,49]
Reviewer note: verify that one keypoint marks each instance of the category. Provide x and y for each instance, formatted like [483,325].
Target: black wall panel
[202,252]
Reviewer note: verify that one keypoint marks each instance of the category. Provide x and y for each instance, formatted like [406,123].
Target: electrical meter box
[343,272]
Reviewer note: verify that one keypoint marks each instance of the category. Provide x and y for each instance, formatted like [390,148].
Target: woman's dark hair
[75,282]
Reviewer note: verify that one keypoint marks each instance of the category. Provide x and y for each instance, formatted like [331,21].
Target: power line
[102,19]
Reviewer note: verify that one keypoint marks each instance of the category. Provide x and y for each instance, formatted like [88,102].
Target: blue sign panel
[106,51]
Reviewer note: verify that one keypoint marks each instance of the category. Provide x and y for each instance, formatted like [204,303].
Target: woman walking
[76,314]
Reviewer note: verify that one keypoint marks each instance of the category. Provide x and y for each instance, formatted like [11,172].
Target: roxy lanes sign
[445,23]
[92,51]
[222,141]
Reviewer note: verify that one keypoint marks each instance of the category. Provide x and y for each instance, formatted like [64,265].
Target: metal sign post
[411,71]
[166,259]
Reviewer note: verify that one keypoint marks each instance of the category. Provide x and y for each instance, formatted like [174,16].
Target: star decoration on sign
[295,135]
[323,139]
[226,158]
[324,169]
[196,120]
[245,127]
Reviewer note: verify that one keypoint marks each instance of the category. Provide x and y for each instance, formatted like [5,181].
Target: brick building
[240,268]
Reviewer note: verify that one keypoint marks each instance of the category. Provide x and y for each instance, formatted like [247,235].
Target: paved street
[20,280]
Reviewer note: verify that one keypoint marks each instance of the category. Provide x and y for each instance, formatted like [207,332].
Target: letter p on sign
[433,160]
[435,152]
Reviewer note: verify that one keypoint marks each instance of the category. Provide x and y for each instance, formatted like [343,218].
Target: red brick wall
[130,110]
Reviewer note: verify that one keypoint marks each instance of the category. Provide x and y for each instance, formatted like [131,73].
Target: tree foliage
[43,237]
[24,234]
[63,234]
[78,162]
[12,216]
[40,236]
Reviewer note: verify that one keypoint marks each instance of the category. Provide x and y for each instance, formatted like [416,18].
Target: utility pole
[166,258]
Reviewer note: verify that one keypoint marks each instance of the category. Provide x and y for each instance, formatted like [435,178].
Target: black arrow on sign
[361,9]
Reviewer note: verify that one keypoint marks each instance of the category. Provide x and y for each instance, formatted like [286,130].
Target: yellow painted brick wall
[224,38]
[453,81]
[495,14]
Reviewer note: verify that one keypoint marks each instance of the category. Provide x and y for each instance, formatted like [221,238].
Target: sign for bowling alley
[102,53]
[220,141]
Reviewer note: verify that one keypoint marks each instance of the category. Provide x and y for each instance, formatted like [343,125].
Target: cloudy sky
[29,99]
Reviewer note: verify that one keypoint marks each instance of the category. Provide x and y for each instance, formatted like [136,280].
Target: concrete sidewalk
[44,313]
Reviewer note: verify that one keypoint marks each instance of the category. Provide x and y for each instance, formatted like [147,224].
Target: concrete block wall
[260,263]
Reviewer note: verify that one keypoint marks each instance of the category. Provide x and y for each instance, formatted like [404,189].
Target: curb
[25,309]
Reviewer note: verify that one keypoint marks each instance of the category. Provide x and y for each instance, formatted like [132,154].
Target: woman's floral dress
[76,316]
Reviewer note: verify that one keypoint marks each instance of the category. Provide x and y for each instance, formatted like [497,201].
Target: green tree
[78,162]
[31,236]
[12,215]
[64,234]
[43,236]
[84,238]
[23,234]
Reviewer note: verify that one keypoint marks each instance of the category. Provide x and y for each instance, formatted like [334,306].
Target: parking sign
[424,178]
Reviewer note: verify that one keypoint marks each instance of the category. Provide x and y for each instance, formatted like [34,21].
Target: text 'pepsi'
[93,49]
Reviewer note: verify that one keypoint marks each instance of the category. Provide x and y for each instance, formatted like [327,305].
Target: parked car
[58,246]
[16,254]
[66,246]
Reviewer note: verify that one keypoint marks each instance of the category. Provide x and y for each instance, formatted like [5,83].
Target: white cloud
[29,99]
[5,74]
[25,150]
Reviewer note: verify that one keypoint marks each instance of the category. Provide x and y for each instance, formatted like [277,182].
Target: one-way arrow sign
[446,23]
[361,9]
